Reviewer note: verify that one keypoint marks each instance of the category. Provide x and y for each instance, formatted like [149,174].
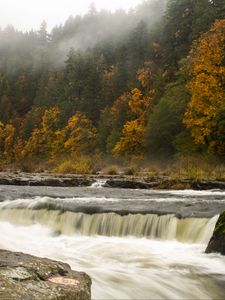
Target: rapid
[130,248]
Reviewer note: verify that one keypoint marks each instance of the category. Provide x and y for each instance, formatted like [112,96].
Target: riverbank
[111,181]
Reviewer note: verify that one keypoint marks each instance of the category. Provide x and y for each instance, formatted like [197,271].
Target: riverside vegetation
[83,97]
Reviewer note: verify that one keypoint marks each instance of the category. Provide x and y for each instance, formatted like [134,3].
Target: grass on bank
[193,168]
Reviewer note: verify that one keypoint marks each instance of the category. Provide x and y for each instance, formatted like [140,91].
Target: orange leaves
[205,112]
[132,140]
[42,139]
[49,141]
[144,75]
[139,103]
[81,134]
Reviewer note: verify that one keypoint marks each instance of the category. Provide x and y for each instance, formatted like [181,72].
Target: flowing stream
[128,255]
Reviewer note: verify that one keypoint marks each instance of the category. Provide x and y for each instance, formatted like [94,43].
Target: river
[135,244]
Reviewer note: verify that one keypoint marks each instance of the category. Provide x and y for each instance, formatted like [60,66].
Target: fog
[105,26]
[28,14]
[83,26]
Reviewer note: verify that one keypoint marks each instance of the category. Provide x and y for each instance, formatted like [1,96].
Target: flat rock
[42,179]
[27,277]
[111,181]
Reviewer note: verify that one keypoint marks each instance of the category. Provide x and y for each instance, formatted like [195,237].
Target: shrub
[82,165]
[111,170]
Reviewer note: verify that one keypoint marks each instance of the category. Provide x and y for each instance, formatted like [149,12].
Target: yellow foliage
[132,140]
[144,75]
[36,145]
[80,165]
[206,110]
[19,149]
[139,103]
[7,138]
[51,118]
[81,134]
[45,142]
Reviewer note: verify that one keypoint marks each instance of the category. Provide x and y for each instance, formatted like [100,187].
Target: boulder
[26,277]
[217,242]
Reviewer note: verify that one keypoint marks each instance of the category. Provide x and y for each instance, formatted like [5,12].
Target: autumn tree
[111,122]
[42,140]
[206,110]
[7,139]
[81,135]
[131,142]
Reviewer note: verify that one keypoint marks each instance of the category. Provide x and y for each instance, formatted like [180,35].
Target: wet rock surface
[128,184]
[42,179]
[26,277]
[111,181]
[164,183]
[217,242]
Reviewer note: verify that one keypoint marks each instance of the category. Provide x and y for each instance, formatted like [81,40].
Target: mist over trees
[146,83]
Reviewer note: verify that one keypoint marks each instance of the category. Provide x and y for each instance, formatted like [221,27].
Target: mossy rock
[220,225]
[217,242]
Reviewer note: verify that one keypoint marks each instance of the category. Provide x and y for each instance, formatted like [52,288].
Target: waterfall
[166,227]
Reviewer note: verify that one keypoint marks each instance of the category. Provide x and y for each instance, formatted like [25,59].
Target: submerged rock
[217,242]
[26,277]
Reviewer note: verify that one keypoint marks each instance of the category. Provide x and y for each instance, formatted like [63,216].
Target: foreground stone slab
[28,277]
[217,242]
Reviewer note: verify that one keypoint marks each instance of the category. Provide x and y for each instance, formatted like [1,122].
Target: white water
[129,257]
[126,268]
[168,227]
[98,183]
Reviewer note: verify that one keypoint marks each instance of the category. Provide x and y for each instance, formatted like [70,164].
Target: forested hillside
[147,84]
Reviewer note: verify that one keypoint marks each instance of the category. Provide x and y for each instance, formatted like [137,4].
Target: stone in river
[217,242]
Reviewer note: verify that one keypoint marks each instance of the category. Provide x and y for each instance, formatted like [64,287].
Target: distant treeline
[147,83]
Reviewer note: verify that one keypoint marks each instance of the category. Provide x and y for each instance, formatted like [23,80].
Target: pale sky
[28,14]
